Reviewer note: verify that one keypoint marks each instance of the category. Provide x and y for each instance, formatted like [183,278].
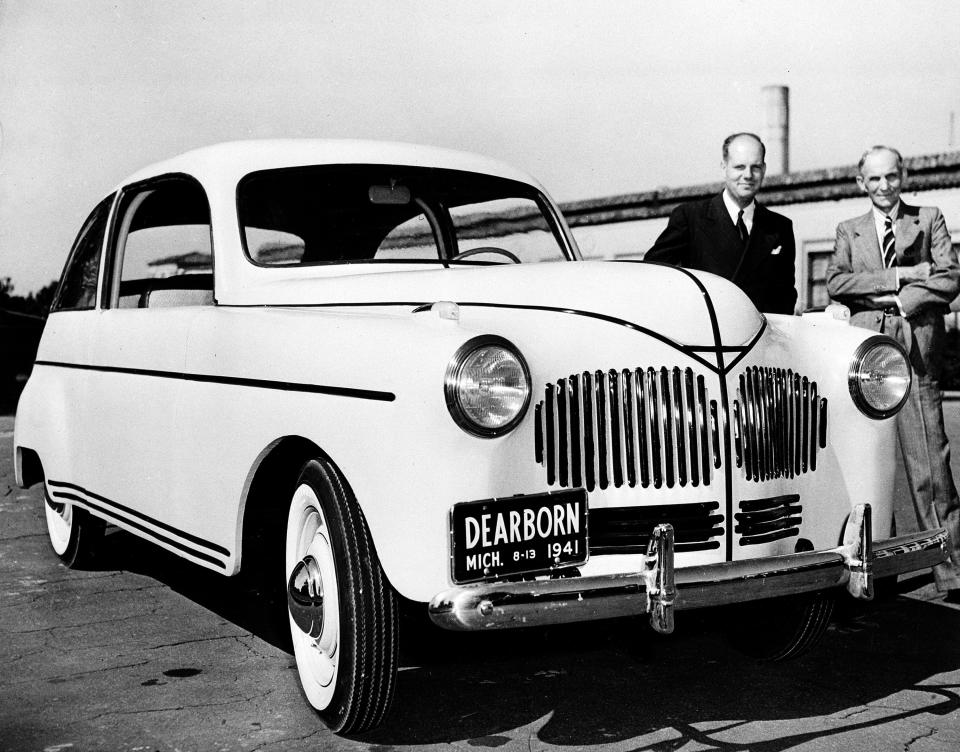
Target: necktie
[889,245]
[742,229]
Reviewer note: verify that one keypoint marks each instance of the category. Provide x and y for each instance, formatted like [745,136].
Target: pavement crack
[847,715]
[22,536]
[190,642]
[61,678]
[170,709]
[284,742]
[907,745]
[80,625]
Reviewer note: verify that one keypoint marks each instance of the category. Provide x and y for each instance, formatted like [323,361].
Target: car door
[158,272]
[62,371]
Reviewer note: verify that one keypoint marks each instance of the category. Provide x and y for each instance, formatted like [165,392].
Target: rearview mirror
[389,194]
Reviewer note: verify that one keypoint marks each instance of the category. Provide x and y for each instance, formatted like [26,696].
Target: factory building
[816,201]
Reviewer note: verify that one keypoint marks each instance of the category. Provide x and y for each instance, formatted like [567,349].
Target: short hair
[874,150]
[729,140]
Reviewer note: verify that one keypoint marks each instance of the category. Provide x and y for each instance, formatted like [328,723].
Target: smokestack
[776,132]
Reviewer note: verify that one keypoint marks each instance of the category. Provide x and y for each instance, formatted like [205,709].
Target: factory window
[816,254]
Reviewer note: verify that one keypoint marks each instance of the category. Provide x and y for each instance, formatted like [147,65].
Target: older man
[734,236]
[896,269]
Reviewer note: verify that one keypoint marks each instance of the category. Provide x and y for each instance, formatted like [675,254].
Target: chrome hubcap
[305,596]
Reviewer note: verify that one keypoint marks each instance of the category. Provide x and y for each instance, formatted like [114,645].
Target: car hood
[674,303]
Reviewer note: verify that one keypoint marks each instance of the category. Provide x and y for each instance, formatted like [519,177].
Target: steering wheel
[486,249]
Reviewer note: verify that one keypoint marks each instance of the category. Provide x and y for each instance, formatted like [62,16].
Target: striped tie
[889,245]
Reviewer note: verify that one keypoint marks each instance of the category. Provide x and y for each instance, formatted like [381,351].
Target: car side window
[162,248]
[78,285]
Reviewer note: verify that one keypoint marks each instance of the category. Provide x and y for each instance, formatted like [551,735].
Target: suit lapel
[866,246]
[728,252]
[759,241]
[908,227]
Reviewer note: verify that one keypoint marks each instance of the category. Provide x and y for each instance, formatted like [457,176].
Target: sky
[592,98]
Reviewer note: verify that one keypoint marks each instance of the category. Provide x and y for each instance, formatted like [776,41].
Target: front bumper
[659,589]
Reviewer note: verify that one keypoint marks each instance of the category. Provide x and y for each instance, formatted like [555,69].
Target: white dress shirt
[880,224]
[734,210]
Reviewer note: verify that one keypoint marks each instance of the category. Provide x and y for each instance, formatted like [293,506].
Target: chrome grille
[615,428]
[765,520]
[779,422]
[627,530]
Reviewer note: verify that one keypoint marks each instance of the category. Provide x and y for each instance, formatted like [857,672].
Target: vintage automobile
[385,370]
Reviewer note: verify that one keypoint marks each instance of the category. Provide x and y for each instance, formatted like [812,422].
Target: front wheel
[778,629]
[75,534]
[343,614]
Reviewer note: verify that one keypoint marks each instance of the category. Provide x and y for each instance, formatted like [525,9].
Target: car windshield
[338,214]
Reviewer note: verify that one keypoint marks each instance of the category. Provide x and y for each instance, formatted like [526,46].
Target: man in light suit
[896,269]
[732,235]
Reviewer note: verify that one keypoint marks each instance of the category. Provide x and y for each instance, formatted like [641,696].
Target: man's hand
[883,300]
[918,273]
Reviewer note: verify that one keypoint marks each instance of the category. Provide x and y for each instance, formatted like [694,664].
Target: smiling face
[881,178]
[743,169]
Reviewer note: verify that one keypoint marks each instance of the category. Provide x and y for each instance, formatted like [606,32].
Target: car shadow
[607,682]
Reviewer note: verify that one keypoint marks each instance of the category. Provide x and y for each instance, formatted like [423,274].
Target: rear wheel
[781,628]
[75,534]
[343,614]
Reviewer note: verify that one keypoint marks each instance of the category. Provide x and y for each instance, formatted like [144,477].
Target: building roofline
[925,173]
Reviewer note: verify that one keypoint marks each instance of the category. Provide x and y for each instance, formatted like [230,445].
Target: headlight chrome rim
[854,377]
[452,382]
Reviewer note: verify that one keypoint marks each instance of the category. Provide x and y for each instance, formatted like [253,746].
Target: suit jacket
[856,272]
[700,235]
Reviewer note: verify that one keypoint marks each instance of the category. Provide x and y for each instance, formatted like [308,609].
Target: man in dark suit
[732,235]
[895,268]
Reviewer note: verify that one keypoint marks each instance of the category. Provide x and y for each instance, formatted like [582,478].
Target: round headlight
[487,386]
[879,377]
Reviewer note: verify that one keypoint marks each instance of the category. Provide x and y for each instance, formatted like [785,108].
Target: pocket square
[776,250]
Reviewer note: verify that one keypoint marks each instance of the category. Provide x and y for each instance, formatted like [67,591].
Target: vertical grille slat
[814,430]
[704,424]
[778,417]
[538,436]
[715,434]
[629,427]
[690,416]
[656,456]
[798,423]
[666,415]
[804,442]
[563,434]
[551,438]
[590,432]
[602,435]
[576,431]
[643,453]
[616,428]
[681,438]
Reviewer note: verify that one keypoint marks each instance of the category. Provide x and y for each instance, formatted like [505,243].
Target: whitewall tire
[75,534]
[342,611]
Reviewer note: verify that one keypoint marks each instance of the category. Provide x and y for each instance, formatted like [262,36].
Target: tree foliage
[34,304]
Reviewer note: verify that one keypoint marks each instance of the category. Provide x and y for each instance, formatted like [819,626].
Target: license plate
[496,538]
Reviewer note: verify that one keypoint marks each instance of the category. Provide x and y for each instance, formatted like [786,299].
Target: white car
[369,370]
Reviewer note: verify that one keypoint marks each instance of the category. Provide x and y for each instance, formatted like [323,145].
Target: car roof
[234,159]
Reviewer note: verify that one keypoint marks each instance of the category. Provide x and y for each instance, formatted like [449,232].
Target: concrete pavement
[149,653]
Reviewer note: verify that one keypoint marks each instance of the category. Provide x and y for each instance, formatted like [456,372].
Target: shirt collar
[879,217]
[734,210]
